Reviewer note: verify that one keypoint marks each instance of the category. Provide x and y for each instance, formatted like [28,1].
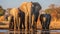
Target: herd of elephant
[25,11]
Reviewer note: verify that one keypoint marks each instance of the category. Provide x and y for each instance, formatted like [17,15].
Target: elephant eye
[32,5]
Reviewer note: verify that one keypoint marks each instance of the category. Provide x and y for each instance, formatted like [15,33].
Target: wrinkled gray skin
[36,7]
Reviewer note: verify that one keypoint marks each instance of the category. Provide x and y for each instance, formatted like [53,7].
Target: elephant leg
[35,22]
[14,23]
[20,23]
[23,21]
[48,21]
[42,21]
[11,25]
[28,23]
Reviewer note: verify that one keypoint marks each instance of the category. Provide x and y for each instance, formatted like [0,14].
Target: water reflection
[21,31]
[30,32]
[45,32]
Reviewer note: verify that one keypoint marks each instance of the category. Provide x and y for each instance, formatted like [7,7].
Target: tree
[1,11]
[58,12]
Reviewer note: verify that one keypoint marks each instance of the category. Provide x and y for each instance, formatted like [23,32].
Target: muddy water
[30,32]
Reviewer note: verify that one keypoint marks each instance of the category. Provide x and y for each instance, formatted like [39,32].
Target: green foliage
[48,11]
[1,11]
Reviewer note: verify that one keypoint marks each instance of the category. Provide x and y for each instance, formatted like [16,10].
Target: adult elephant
[31,8]
[35,8]
[22,12]
[26,8]
[14,18]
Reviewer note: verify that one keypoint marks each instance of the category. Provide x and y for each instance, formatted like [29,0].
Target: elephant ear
[26,7]
[14,11]
[23,7]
